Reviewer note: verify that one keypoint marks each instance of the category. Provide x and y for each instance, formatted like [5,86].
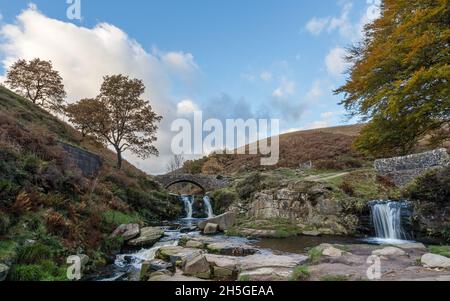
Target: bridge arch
[205,182]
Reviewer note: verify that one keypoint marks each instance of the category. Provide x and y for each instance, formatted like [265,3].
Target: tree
[37,81]
[82,113]
[175,163]
[120,117]
[399,81]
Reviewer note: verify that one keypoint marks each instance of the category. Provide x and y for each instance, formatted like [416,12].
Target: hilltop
[49,209]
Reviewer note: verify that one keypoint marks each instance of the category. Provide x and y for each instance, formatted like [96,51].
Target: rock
[412,246]
[311,233]
[269,267]
[161,275]
[194,244]
[224,267]
[211,229]
[155,265]
[232,249]
[224,221]
[178,277]
[332,252]
[198,267]
[176,254]
[126,231]
[389,251]
[4,269]
[149,236]
[435,261]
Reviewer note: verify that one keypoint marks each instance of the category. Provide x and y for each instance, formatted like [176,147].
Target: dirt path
[327,177]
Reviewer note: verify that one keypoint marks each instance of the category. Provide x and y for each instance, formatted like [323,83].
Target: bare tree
[37,81]
[175,163]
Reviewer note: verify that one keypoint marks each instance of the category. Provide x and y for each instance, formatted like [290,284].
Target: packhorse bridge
[206,183]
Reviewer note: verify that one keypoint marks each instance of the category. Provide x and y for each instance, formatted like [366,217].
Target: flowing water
[209,210]
[387,221]
[188,201]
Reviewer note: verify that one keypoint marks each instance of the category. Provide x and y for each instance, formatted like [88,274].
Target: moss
[244,278]
[334,278]
[223,199]
[300,273]
[440,250]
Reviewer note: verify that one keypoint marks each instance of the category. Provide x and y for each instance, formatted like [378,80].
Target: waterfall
[188,201]
[387,220]
[209,210]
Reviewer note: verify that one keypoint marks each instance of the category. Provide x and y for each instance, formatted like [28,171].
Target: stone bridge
[403,170]
[206,183]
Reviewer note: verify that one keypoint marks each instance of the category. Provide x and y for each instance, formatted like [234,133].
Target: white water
[386,218]
[209,210]
[188,202]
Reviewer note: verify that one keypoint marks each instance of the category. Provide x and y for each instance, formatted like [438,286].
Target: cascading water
[209,210]
[387,220]
[188,201]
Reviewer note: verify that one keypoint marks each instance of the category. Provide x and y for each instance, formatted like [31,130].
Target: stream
[386,217]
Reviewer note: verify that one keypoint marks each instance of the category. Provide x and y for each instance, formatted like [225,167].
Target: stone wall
[87,162]
[403,170]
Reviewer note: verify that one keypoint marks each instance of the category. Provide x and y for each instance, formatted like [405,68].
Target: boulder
[155,265]
[231,249]
[269,267]
[149,236]
[211,229]
[389,251]
[4,269]
[224,221]
[311,233]
[194,244]
[332,252]
[435,261]
[176,254]
[127,231]
[197,267]
[224,267]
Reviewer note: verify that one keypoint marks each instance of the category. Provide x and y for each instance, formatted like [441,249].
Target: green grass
[44,271]
[8,251]
[300,273]
[117,218]
[244,278]
[440,250]
[315,254]
[334,278]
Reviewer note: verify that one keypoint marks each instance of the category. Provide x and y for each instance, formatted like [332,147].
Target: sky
[229,59]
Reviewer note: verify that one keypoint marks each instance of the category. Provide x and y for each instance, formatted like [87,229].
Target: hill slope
[45,199]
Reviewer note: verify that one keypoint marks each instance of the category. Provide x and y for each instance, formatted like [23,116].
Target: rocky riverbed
[167,254]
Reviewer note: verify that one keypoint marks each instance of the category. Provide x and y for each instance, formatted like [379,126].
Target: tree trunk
[119,158]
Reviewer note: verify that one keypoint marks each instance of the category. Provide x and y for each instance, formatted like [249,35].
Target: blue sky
[233,58]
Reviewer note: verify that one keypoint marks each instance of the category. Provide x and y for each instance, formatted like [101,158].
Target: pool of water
[301,244]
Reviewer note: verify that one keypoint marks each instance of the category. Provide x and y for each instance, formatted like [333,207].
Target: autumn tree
[82,113]
[120,117]
[399,81]
[37,81]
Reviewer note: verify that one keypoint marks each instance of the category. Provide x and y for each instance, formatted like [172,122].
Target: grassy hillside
[48,209]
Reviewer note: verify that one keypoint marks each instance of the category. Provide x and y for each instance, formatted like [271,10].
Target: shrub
[117,218]
[44,271]
[432,187]
[223,199]
[249,185]
[34,253]
[347,188]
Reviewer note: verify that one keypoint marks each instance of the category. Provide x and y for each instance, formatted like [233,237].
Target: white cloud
[266,76]
[286,88]
[347,29]
[84,55]
[186,107]
[316,90]
[316,25]
[335,61]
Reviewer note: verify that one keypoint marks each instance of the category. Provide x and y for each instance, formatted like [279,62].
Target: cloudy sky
[230,59]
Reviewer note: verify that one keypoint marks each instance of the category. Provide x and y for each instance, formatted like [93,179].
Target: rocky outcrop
[310,205]
[148,237]
[231,249]
[127,231]
[403,170]
[223,221]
